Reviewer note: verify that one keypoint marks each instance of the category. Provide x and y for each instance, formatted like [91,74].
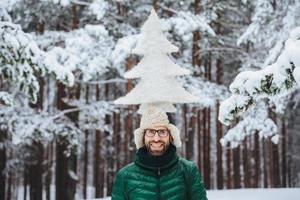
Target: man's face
[157,143]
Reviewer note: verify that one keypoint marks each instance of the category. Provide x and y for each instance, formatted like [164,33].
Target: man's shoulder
[127,169]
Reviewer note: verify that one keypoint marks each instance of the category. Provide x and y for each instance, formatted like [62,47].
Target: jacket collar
[165,161]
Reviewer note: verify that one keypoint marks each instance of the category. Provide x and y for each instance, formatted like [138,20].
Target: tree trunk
[257,160]
[35,174]
[61,173]
[35,169]
[74,17]
[236,168]
[48,177]
[246,164]
[283,154]
[265,160]
[128,118]
[24,184]
[65,183]
[228,168]
[98,170]
[154,4]
[9,186]
[275,158]
[2,174]
[219,152]
[98,164]
[200,141]
[86,155]
[85,164]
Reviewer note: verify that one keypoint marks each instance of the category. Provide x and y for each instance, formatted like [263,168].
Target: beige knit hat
[151,117]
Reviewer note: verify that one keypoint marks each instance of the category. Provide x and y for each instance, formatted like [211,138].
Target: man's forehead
[159,127]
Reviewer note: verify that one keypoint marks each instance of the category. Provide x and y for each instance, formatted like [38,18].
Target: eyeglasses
[161,132]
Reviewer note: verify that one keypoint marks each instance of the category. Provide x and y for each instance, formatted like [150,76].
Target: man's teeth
[156,145]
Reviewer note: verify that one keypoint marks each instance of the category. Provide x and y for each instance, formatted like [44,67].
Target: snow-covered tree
[279,78]
[156,70]
[22,63]
[86,51]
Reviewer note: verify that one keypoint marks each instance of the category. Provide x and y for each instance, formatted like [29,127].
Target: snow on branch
[186,22]
[263,9]
[257,121]
[22,62]
[26,126]
[5,99]
[86,51]
[280,78]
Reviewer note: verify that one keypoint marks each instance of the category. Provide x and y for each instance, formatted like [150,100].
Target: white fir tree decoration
[157,71]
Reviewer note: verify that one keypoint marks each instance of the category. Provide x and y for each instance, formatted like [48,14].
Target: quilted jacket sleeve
[118,192]
[197,186]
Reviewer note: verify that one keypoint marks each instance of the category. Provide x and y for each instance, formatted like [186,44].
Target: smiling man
[157,173]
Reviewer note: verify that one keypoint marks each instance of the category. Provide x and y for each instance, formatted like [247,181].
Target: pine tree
[279,78]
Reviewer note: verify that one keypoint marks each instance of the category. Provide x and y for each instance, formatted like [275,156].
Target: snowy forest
[64,63]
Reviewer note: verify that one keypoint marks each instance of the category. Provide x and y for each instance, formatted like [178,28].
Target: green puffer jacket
[165,177]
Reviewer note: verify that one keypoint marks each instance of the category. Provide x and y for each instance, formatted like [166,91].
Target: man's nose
[156,137]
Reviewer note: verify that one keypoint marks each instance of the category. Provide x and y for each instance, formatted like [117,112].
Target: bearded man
[157,172]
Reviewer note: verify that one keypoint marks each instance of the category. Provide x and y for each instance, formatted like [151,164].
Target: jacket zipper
[158,184]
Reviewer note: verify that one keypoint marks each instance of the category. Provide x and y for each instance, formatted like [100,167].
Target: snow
[184,23]
[5,98]
[250,194]
[124,48]
[257,194]
[296,75]
[98,8]
[63,3]
[88,50]
[256,120]
[278,79]
[233,107]
[23,61]
[263,9]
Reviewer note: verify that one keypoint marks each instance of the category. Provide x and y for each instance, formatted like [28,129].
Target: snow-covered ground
[252,194]
[255,194]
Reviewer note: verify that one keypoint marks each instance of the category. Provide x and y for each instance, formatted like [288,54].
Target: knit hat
[151,117]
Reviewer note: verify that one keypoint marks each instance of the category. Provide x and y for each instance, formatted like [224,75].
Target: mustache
[157,142]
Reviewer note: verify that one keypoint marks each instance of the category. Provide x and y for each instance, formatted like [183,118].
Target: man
[157,172]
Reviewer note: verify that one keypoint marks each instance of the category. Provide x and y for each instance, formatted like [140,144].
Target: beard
[157,148]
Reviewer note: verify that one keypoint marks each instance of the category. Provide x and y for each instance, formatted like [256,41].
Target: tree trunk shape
[265,165]
[236,168]
[275,158]
[35,174]
[48,177]
[228,168]
[65,184]
[98,164]
[86,150]
[246,170]
[200,141]
[283,154]
[2,174]
[257,161]
[220,172]
[85,164]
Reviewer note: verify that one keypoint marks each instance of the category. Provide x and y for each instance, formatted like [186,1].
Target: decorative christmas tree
[157,71]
